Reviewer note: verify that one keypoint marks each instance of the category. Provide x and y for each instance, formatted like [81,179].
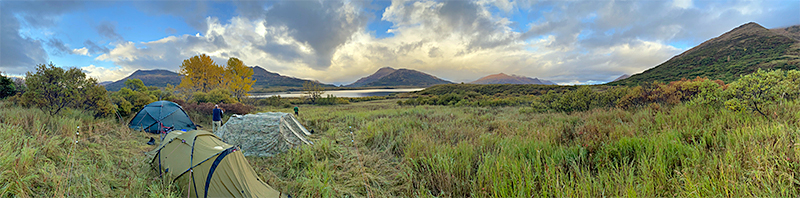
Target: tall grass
[443,151]
[380,149]
[44,156]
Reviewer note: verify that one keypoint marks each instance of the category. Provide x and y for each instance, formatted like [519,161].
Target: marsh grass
[39,156]
[444,151]
[379,149]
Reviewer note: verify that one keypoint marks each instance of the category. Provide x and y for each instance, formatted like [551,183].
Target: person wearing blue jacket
[217,118]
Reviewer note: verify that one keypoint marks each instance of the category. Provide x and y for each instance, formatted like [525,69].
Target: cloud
[106,74]
[18,54]
[170,30]
[323,26]
[108,30]
[59,46]
[94,48]
[570,42]
[194,13]
[81,51]
[63,49]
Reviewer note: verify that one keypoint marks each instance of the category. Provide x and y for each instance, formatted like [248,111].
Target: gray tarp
[263,134]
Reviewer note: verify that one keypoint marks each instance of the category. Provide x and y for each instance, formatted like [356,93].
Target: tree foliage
[761,88]
[215,96]
[313,91]
[238,78]
[53,88]
[7,87]
[200,73]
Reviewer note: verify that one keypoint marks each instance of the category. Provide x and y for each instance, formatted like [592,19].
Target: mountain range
[160,78]
[502,78]
[155,77]
[388,76]
[740,51]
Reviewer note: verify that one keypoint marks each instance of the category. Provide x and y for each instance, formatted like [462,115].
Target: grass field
[441,151]
[380,149]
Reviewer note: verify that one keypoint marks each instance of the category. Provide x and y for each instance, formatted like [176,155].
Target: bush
[757,90]
[206,108]
[7,87]
[218,95]
[52,89]
[332,100]
[274,101]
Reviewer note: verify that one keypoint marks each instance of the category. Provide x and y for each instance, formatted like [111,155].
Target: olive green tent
[200,164]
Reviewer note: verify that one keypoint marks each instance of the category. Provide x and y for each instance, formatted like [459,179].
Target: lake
[339,93]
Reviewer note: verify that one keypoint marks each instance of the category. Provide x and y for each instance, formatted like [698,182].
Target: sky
[338,42]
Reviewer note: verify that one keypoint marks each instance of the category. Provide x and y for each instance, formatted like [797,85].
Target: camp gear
[161,116]
[264,134]
[202,165]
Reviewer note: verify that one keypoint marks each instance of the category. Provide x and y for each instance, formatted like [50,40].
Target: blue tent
[161,114]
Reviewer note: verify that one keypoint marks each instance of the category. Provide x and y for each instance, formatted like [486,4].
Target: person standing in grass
[216,118]
[296,111]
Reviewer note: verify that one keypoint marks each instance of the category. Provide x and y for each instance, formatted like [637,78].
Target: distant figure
[217,118]
[296,110]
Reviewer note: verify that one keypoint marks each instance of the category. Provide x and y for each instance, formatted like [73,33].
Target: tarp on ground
[202,165]
[264,134]
[166,113]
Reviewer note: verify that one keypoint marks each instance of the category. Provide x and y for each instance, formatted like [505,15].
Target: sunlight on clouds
[455,40]
[105,74]
[81,51]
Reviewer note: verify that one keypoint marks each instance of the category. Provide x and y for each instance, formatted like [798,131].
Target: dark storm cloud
[194,13]
[251,9]
[482,31]
[18,54]
[324,26]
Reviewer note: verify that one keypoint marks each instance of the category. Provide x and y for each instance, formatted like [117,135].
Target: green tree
[7,87]
[754,91]
[135,84]
[313,91]
[53,88]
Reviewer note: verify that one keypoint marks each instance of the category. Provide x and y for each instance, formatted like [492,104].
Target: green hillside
[406,77]
[156,77]
[266,79]
[742,50]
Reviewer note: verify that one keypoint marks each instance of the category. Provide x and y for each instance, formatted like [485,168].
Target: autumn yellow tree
[200,73]
[238,78]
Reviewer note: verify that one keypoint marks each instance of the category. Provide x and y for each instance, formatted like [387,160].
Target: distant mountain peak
[624,76]
[388,76]
[502,78]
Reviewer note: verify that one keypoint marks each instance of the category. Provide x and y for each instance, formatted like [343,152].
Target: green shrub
[755,91]
[7,87]
[53,88]
[215,96]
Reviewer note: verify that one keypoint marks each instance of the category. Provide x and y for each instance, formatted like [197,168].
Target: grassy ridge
[741,51]
[504,152]
[39,156]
